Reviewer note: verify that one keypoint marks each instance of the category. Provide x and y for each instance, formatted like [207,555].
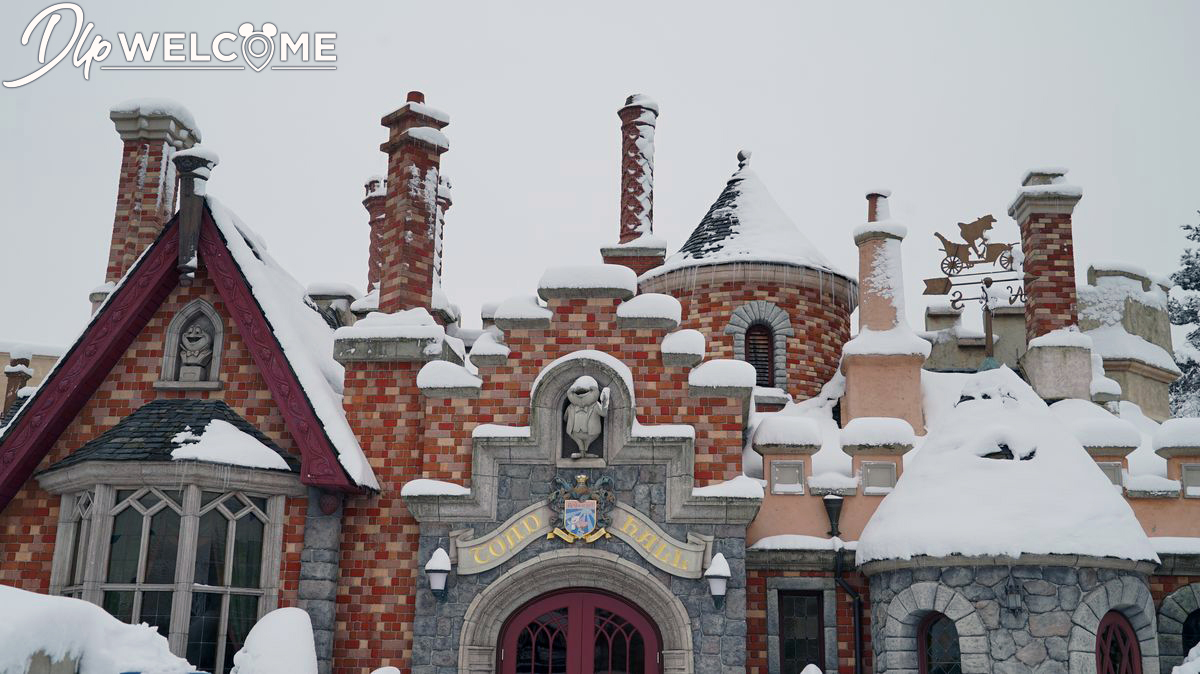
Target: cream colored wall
[41,366]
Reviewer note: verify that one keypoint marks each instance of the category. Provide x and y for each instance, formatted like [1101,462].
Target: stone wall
[719,637]
[1039,619]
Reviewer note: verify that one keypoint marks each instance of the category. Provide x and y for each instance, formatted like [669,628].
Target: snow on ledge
[898,341]
[802,542]
[499,431]
[645,241]
[442,374]
[1178,433]
[1112,432]
[408,324]
[1176,545]
[888,227]
[598,276]
[611,361]
[872,431]
[333,288]
[651,305]
[222,442]
[690,342]
[521,307]
[158,106]
[486,344]
[428,134]
[741,486]
[662,431]
[723,373]
[426,487]
[101,642]
[1070,337]
[833,480]
[1112,342]
[778,429]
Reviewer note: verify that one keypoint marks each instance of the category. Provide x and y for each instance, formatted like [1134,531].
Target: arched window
[937,638]
[1191,631]
[759,353]
[1117,649]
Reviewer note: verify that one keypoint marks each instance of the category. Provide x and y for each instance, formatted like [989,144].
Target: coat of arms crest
[585,509]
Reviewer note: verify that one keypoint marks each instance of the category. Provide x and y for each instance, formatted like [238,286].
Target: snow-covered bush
[1184,308]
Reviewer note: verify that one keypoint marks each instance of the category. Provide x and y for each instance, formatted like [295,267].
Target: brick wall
[1050,259]
[145,201]
[28,523]
[756,618]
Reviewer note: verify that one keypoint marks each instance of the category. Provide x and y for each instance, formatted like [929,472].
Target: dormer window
[192,349]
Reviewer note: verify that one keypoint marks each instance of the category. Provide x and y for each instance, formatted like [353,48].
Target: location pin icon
[258,47]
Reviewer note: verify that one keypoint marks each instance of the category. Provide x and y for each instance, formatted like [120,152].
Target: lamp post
[718,579]
[438,570]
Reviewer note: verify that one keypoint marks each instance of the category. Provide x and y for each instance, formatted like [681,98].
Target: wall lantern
[438,570]
[718,579]
[833,509]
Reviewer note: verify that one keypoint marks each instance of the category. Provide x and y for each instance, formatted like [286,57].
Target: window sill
[188,385]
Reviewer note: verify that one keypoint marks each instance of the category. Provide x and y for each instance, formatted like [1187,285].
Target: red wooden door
[579,633]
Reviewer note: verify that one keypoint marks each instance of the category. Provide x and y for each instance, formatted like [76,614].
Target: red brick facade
[1050,270]
[145,201]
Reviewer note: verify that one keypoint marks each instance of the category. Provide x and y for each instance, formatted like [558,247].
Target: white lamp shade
[437,579]
[717,585]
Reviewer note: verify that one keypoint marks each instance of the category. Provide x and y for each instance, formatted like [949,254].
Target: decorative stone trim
[762,312]
[167,378]
[523,323]
[892,449]
[903,618]
[879,566]
[489,360]
[1175,609]
[646,322]
[1132,598]
[159,473]
[829,626]
[572,568]
[790,560]
[376,350]
[317,592]
[682,359]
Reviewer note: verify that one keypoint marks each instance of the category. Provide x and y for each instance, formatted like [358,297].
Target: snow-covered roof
[305,337]
[961,494]
[745,224]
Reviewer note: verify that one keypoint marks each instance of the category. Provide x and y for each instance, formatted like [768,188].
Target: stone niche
[1011,618]
[192,349]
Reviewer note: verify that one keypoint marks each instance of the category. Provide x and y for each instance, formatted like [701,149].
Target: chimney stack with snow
[882,364]
[637,246]
[1042,209]
[376,204]
[151,130]
[16,375]
[409,242]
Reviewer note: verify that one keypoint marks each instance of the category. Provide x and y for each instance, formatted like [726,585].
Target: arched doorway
[579,632]
[1117,649]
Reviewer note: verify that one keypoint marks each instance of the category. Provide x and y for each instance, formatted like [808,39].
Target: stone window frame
[1185,483]
[100,480]
[923,629]
[775,463]
[1131,597]
[828,589]
[1113,470]
[1176,608]
[869,467]
[170,360]
[906,611]
[769,314]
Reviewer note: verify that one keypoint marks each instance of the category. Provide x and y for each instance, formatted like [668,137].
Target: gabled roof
[745,224]
[290,343]
[148,434]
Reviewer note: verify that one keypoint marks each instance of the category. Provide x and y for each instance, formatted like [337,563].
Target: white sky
[946,103]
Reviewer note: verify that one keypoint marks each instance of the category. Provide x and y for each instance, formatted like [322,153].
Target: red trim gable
[83,369]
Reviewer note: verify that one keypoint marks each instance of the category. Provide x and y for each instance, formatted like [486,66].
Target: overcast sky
[947,104]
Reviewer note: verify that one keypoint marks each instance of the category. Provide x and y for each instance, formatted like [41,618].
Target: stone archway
[904,615]
[572,568]
[1131,597]
[1176,607]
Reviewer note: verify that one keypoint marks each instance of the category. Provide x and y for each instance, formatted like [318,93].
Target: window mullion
[272,555]
[185,569]
[143,551]
[101,538]
[224,627]
[69,529]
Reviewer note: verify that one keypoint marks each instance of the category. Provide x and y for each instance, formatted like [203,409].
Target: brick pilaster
[409,241]
[1043,209]
[146,186]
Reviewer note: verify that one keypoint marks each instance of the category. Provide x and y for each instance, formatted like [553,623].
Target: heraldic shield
[579,517]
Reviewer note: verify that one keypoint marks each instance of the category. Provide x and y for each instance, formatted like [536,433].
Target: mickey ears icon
[268,30]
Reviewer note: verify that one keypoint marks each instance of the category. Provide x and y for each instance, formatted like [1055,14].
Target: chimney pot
[1047,176]
[877,206]
[194,167]
[415,97]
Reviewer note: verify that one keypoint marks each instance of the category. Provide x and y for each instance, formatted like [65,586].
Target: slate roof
[8,414]
[146,434]
[745,224]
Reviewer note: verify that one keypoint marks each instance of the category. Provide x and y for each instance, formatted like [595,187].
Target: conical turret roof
[745,224]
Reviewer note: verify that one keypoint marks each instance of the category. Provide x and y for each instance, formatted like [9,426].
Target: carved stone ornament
[587,406]
[195,352]
[584,510]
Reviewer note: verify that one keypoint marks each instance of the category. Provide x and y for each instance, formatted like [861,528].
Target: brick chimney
[882,364]
[376,204]
[151,130]
[637,247]
[16,377]
[1043,208]
[408,245]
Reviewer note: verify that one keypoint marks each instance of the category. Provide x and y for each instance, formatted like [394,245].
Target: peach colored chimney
[16,375]
[408,244]
[882,364]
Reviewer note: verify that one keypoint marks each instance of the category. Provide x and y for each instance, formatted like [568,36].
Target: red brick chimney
[1043,208]
[151,131]
[637,247]
[376,204]
[16,375]
[408,245]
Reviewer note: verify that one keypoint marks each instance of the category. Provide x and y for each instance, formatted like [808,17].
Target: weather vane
[975,250]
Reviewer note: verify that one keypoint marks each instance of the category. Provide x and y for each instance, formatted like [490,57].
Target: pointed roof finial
[743,159]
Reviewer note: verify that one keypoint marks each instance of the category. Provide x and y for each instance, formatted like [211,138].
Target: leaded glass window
[801,638]
[939,646]
[139,580]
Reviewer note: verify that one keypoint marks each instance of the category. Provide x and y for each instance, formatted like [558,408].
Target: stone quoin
[675,459]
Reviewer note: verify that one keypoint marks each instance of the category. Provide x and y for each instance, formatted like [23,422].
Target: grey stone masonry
[1017,619]
[319,572]
[717,637]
